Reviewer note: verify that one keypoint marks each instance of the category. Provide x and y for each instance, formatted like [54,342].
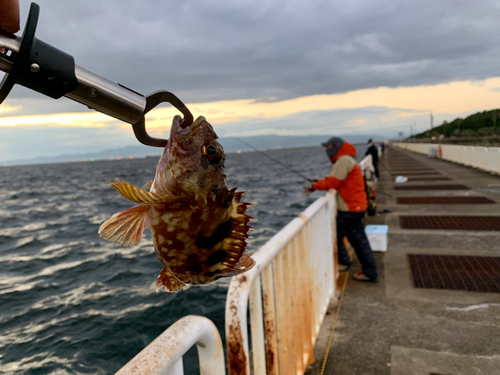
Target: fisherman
[347,178]
[373,151]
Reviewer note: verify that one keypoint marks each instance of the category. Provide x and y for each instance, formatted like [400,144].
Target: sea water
[71,302]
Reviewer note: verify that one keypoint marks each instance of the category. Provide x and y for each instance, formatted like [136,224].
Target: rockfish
[199,227]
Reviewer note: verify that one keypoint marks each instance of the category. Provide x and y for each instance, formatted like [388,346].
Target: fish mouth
[177,132]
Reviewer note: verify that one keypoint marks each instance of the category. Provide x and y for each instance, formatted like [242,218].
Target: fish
[199,227]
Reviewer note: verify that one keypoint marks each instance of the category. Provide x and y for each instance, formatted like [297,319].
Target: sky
[375,67]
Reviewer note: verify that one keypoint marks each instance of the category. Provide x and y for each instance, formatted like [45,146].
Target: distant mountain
[479,124]
[263,142]
[230,144]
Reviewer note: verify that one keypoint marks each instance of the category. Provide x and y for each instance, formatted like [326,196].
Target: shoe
[360,276]
[344,268]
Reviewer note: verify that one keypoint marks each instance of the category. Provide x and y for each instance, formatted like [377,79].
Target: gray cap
[336,143]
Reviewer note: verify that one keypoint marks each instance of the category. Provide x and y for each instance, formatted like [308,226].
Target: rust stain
[237,361]
[270,360]
[308,314]
[303,218]
[270,335]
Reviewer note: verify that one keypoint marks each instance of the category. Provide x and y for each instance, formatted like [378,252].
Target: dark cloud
[213,50]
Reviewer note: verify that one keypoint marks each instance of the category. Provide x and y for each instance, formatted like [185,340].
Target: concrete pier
[394,328]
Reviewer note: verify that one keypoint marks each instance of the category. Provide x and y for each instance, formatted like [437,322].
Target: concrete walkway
[394,328]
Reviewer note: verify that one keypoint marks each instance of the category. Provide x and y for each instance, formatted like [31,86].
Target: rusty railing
[288,290]
[164,354]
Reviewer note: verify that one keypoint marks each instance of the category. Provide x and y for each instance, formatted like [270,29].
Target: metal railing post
[288,301]
[164,354]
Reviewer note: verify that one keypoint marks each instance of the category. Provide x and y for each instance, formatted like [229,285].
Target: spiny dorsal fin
[138,195]
[125,227]
[228,257]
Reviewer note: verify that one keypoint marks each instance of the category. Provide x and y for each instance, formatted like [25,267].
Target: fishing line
[341,298]
[288,168]
[275,160]
[381,191]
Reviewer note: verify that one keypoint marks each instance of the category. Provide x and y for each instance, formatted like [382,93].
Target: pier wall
[484,158]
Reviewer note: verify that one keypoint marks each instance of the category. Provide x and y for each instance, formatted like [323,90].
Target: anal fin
[245,263]
[167,279]
[125,227]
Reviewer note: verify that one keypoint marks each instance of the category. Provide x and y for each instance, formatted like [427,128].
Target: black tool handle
[39,66]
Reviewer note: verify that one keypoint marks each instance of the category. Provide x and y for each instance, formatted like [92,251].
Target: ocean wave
[74,303]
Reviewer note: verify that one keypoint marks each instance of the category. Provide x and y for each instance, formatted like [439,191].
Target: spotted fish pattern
[199,227]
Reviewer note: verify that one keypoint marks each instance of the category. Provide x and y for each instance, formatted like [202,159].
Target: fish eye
[211,151]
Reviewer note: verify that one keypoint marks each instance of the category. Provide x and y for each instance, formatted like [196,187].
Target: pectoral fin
[169,281]
[138,195]
[125,227]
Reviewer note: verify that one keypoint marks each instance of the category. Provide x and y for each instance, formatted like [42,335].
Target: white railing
[484,158]
[164,355]
[289,290]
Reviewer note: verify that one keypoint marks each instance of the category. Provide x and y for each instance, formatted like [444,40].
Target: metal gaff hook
[152,101]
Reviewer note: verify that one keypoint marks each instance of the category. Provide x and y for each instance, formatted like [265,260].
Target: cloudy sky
[264,67]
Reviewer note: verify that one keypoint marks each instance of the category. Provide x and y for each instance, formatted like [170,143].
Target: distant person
[373,151]
[382,148]
[347,178]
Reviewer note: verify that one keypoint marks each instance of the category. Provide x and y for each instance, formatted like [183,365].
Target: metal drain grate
[444,200]
[415,172]
[405,162]
[431,187]
[438,178]
[410,163]
[487,223]
[407,167]
[471,273]
[419,171]
[411,168]
[409,173]
[397,160]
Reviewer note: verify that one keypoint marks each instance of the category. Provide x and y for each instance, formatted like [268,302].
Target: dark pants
[375,166]
[350,225]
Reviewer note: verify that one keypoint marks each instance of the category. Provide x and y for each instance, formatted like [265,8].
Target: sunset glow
[449,98]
